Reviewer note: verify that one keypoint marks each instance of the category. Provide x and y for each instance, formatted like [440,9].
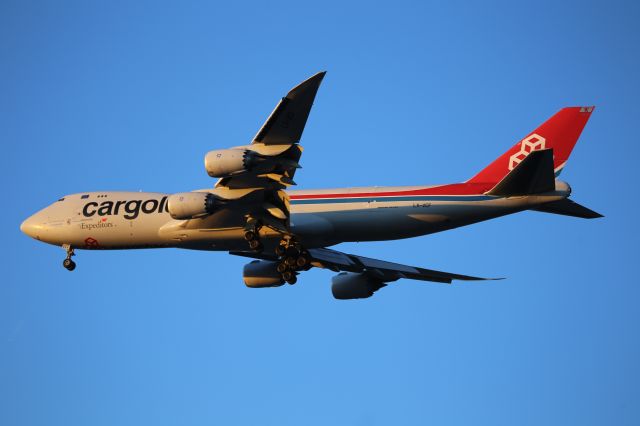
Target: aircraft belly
[111,233]
[389,221]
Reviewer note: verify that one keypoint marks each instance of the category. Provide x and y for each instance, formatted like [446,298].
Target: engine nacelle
[190,205]
[347,285]
[261,274]
[227,162]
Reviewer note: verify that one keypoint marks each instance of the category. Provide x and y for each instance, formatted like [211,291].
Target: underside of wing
[382,270]
[358,277]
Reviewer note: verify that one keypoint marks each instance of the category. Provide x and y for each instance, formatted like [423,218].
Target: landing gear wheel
[69,264]
[255,245]
[290,261]
[252,234]
[289,277]
[281,268]
[302,261]
[293,251]
[292,280]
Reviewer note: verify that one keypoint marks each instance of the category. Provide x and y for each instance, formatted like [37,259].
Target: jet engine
[227,162]
[190,205]
[347,285]
[261,274]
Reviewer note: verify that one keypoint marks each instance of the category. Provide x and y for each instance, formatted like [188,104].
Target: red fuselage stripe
[452,189]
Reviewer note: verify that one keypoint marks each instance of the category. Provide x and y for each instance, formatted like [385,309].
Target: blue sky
[122,96]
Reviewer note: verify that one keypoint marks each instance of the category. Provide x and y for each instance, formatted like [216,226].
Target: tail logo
[529,144]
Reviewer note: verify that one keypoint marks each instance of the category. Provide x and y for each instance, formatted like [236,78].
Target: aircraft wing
[379,269]
[287,121]
[276,152]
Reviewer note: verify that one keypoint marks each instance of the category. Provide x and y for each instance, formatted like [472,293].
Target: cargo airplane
[250,211]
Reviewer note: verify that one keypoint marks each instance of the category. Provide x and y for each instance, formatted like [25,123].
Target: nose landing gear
[69,264]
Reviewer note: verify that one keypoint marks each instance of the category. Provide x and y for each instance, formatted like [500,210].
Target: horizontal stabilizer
[567,207]
[534,175]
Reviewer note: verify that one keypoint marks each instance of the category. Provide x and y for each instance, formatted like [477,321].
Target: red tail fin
[560,132]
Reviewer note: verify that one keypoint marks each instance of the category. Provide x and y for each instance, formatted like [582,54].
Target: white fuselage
[319,218]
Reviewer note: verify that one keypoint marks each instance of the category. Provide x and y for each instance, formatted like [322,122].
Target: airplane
[250,211]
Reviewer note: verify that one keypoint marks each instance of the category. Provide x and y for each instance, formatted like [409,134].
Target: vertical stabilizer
[560,133]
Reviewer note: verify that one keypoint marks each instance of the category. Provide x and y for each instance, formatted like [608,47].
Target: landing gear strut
[252,235]
[292,258]
[69,264]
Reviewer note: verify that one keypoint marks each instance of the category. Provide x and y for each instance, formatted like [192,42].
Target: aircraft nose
[27,227]
[31,226]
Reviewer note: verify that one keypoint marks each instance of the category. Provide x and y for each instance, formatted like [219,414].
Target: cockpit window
[61,199]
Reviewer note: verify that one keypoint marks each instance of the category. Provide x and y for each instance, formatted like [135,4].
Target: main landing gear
[292,259]
[252,235]
[69,264]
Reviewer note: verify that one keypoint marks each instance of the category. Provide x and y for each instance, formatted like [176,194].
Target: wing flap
[334,260]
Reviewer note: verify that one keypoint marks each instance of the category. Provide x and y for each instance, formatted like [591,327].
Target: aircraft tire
[292,280]
[281,268]
[289,276]
[302,261]
[69,264]
[290,261]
